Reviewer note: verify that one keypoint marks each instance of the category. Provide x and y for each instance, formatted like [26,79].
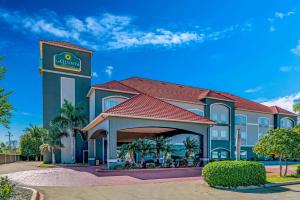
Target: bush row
[233,174]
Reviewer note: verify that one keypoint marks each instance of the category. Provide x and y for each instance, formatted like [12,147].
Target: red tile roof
[214,95]
[164,90]
[278,110]
[171,91]
[67,45]
[145,106]
[115,85]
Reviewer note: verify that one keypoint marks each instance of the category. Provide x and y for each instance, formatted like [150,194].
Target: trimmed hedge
[298,170]
[233,174]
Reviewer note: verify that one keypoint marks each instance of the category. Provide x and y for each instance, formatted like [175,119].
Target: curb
[146,170]
[35,194]
[267,185]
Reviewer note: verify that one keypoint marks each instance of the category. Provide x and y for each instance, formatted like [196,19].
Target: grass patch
[274,178]
[47,165]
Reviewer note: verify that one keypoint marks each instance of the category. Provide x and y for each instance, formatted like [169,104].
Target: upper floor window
[264,122]
[197,111]
[219,134]
[219,113]
[110,102]
[241,120]
[286,123]
[243,138]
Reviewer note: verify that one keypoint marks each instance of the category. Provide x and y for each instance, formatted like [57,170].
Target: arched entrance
[123,130]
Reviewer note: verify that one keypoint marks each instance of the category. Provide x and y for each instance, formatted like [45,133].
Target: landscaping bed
[22,194]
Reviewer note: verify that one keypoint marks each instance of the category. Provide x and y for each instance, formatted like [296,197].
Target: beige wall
[252,128]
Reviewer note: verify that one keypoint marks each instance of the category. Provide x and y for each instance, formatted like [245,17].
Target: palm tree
[144,147]
[52,142]
[160,143]
[123,152]
[191,146]
[168,148]
[132,148]
[37,135]
[70,121]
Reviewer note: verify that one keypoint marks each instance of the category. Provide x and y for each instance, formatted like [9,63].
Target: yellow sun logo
[68,57]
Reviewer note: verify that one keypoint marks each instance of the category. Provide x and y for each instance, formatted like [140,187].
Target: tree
[69,121]
[52,142]
[160,144]
[31,141]
[123,152]
[168,148]
[191,146]
[283,144]
[296,108]
[3,147]
[5,105]
[143,147]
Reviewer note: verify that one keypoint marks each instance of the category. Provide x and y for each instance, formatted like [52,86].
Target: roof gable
[145,106]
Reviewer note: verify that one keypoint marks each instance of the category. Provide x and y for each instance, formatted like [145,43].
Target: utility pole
[238,144]
[9,135]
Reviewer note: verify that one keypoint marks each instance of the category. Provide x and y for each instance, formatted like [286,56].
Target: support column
[111,148]
[91,148]
[205,147]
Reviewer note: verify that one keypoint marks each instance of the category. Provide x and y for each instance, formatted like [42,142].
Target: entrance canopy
[144,106]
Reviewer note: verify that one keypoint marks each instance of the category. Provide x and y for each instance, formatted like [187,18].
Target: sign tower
[66,75]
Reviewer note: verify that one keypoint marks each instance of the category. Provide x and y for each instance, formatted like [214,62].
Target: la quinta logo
[67,61]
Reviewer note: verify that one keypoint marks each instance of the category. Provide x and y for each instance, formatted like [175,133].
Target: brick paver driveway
[88,176]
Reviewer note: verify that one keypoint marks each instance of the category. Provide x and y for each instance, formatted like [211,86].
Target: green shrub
[298,170]
[126,166]
[233,174]
[150,165]
[6,189]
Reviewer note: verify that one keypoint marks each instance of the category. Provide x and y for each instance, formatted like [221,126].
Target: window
[214,134]
[214,155]
[241,120]
[260,135]
[112,101]
[223,118]
[197,112]
[224,155]
[223,134]
[286,123]
[243,155]
[215,117]
[243,138]
[217,134]
[264,122]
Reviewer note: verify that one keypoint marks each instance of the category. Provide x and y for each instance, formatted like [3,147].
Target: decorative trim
[67,47]
[65,73]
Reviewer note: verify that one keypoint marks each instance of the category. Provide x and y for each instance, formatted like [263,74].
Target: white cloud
[253,90]
[108,31]
[296,50]
[279,16]
[285,102]
[95,74]
[272,28]
[109,70]
[288,68]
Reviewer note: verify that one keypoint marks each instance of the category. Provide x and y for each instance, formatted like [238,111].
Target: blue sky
[248,48]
